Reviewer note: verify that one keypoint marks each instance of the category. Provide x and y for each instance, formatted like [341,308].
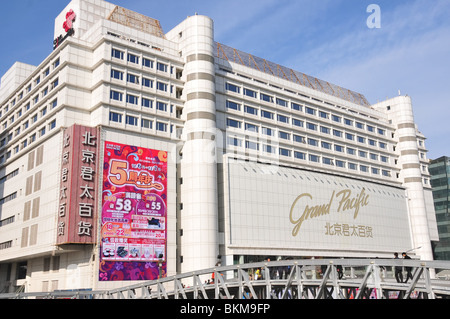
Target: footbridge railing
[287,279]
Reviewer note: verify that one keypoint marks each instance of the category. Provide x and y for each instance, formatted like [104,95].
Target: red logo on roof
[70,19]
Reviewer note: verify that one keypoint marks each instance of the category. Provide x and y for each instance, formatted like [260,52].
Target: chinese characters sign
[77,211]
[134,213]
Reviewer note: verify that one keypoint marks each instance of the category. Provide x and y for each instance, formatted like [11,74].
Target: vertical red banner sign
[134,213]
[77,212]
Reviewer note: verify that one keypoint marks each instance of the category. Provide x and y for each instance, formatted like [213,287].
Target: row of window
[136,59]
[145,102]
[34,83]
[26,123]
[293,137]
[134,121]
[27,141]
[302,124]
[270,149]
[297,106]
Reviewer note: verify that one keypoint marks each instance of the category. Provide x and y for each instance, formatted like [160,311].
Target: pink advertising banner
[134,213]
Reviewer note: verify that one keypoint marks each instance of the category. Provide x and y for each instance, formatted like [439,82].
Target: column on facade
[412,175]
[199,214]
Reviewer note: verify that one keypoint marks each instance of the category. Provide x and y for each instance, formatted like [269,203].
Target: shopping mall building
[130,153]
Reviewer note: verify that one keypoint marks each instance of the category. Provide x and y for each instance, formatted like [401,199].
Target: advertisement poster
[134,213]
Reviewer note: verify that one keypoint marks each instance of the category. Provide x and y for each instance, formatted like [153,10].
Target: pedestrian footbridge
[288,279]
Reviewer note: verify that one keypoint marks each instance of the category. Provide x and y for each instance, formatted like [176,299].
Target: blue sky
[328,39]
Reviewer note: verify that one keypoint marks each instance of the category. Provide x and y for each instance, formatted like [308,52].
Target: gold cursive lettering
[309,212]
[346,202]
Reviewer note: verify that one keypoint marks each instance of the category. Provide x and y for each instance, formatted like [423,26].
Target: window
[161,86]
[52,125]
[336,118]
[285,152]
[348,122]
[327,161]
[232,88]
[381,131]
[311,126]
[338,148]
[56,63]
[115,117]
[314,158]
[117,54]
[42,131]
[375,171]
[252,145]
[298,138]
[337,133]
[54,103]
[309,110]
[373,156]
[233,105]
[147,82]
[297,122]
[116,95]
[54,84]
[361,139]
[382,145]
[326,145]
[351,151]
[116,74]
[147,123]
[233,141]
[340,163]
[362,154]
[267,114]
[282,102]
[147,63]
[233,123]
[251,93]
[131,120]
[299,155]
[133,58]
[325,130]
[363,168]
[296,107]
[251,127]
[268,131]
[132,99]
[147,103]
[162,127]
[283,119]
[267,98]
[370,128]
[132,78]
[323,115]
[313,142]
[269,149]
[284,135]
[372,142]
[352,166]
[161,106]
[250,110]
[349,136]
[161,67]
[359,125]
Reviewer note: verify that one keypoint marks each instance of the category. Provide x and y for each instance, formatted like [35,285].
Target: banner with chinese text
[134,213]
[77,211]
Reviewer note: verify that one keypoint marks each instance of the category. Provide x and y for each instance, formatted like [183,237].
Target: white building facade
[130,153]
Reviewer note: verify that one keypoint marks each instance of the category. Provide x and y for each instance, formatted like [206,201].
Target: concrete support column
[411,174]
[199,216]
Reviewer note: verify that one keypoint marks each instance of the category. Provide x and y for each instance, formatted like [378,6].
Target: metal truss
[289,279]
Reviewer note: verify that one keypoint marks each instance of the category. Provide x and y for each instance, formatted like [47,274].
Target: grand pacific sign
[341,202]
